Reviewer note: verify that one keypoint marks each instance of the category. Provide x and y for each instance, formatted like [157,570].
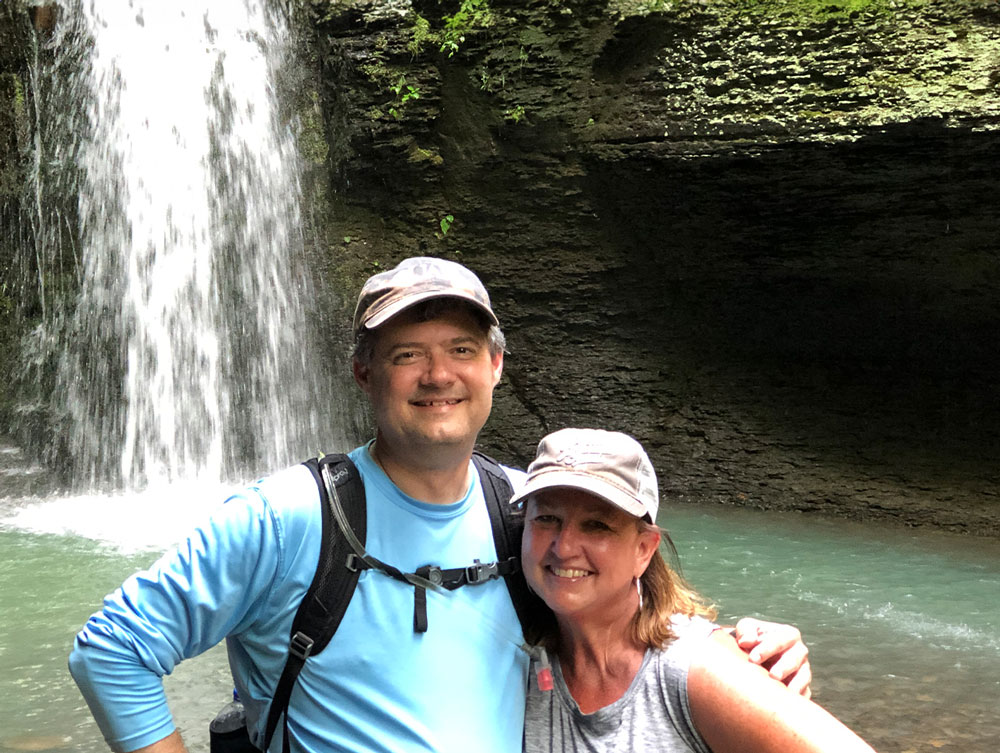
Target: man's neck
[441,478]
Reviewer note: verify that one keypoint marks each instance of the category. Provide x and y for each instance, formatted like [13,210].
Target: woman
[636,663]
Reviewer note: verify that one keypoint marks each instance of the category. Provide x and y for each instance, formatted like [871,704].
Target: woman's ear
[646,545]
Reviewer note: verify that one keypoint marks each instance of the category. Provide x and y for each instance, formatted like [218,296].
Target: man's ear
[362,374]
[497,361]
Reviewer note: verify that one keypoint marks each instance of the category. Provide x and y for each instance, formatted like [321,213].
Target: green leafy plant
[404,93]
[471,14]
[446,223]
[514,113]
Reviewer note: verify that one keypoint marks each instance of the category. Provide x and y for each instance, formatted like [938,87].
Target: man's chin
[445,440]
[450,427]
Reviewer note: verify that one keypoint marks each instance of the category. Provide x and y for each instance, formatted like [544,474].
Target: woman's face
[580,554]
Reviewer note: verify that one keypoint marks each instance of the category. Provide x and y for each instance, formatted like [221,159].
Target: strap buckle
[301,646]
[477,572]
[433,573]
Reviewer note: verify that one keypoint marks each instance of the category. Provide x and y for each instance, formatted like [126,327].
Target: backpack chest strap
[456,577]
[427,576]
[434,577]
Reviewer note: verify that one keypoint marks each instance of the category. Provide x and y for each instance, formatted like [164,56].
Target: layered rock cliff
[759,236]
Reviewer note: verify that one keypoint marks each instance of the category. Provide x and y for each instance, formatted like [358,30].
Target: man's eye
[405,356]
[546,520]
[597,526]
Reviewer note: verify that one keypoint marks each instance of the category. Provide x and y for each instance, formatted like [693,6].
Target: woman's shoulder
[685,625]
[688,629]
[674,658]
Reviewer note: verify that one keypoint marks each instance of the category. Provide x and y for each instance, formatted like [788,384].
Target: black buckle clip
[432,573]
[301,646]
[477,572]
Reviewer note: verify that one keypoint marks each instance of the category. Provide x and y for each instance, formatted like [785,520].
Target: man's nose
[439,370]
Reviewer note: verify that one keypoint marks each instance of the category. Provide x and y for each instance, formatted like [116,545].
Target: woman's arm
[738,708]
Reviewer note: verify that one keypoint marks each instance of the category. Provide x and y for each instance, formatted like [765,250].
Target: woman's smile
[567,572]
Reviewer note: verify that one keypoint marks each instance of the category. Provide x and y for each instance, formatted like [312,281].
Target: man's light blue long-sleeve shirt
[378,686]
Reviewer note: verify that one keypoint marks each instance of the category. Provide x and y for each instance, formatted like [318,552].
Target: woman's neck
[598,661]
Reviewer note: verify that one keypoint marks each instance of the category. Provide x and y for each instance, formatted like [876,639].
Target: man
[428,354]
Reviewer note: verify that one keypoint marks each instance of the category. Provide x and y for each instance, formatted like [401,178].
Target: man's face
[430,383]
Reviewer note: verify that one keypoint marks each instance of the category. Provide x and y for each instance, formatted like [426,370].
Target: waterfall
[188,351]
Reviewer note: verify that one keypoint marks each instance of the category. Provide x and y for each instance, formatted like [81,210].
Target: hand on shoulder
[779,649]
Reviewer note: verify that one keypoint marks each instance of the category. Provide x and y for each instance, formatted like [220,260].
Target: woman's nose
[565,543]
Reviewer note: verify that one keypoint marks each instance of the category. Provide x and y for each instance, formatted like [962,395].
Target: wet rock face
[762,243]
[15,145]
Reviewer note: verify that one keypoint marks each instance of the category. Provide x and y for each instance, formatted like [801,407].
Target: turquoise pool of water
[902,624]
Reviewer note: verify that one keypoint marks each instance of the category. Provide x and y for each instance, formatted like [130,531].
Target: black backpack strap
[337,572]
[508,526]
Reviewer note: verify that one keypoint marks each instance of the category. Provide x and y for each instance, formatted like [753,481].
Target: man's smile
[437,402]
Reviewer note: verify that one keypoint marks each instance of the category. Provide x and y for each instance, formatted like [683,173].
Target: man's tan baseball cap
[607,464]
[413,280]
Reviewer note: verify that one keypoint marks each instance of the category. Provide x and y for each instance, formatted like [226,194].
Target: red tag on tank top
[544,673]
[544,678]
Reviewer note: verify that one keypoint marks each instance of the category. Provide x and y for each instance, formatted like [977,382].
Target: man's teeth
[568,573]
[431,403]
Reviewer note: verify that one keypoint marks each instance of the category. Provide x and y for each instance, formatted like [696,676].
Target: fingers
[801,681]
[779,649]
[782,644]
[748,632]
[766,640]
[784,664]
[771,637]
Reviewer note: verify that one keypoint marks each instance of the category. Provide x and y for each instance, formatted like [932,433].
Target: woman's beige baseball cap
[607,464]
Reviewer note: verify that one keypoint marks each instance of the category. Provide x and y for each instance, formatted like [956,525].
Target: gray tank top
[653,715]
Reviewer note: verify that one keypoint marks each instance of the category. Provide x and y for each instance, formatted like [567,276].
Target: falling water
[186,353]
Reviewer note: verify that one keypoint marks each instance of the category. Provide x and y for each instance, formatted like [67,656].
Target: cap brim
[566,479]
[397,307]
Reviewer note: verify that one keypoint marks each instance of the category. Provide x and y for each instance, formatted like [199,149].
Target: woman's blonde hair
[664,594]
